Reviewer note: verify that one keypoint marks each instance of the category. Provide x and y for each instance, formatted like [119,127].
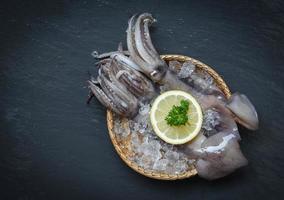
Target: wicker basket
[123,149]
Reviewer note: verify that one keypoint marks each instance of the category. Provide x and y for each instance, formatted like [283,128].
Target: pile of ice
[150,151]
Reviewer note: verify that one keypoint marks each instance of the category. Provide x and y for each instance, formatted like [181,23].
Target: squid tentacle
[128,104]
[125,61]
[134,54]
[148,40]
[140,39]
[103,98]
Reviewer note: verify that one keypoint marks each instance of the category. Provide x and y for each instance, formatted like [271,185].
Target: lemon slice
[175,134]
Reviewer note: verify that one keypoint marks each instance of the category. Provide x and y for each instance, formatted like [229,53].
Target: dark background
[54,146]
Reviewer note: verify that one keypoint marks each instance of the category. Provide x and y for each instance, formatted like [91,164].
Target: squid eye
[160,68]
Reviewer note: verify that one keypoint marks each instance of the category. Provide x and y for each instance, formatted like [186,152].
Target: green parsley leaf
[178,114]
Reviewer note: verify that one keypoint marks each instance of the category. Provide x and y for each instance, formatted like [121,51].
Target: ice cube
[121,128]
[180,166]
[172,156]
[144,109]
[186,70]
[135,142]
[145,161]
[210,119]
[160,165]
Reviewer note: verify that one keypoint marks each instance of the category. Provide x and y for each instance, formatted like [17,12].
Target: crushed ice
[211,119]
[186,70]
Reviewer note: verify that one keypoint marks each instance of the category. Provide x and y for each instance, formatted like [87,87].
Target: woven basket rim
[149,173]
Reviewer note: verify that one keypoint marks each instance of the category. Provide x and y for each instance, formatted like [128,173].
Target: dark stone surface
[54,146]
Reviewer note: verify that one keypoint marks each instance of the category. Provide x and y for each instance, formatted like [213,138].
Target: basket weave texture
[123,149]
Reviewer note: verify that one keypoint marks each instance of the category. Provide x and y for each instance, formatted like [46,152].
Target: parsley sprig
[178,114]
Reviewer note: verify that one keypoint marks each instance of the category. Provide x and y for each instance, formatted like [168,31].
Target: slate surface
[54,146]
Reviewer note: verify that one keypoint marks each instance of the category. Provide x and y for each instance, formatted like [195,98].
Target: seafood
[130,79]
[118,86]
[241,106]
[219,155]
[143,53]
